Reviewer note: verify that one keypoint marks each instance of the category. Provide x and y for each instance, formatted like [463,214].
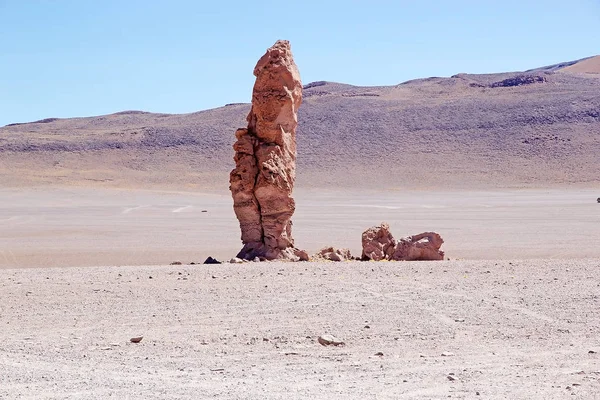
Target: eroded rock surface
[333,254]
[265,156]
[379,244]
[424,246]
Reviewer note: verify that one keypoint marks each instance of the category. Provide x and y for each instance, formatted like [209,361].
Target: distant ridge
[589,65]
[536,128]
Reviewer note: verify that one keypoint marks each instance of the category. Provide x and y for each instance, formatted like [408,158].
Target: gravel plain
[414,330]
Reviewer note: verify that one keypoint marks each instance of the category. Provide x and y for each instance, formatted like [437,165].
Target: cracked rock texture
[265,159]
[379,244]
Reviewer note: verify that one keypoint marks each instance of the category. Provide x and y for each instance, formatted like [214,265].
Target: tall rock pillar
[265,159]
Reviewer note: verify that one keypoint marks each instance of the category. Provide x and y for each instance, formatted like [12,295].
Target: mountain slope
[588,66]
[536,128]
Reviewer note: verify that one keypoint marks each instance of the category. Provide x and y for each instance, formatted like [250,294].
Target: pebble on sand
[136,339]
[329,340]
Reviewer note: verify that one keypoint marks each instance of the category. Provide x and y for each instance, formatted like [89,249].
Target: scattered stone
[204,211]
[447,354]
[136,339]
[333,254]
[451,378]
[236,260]
[329,340]
[379,353]
[265,159]
[378,244]
[459,320]
[210,260]
[592,352]
[176,263]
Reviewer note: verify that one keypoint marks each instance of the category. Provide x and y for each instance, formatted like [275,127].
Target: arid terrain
[525,129]
[504,166]
[115,227]
[428,330]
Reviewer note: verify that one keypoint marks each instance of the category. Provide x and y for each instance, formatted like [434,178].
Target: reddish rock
[379,244]
[265,156]
[424,246]
[333,254]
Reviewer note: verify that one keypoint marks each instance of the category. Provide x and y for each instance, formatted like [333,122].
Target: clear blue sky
[68,58]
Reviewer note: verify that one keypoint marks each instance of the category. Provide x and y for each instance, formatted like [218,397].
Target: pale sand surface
[589,66]
[516,330]
[47,227]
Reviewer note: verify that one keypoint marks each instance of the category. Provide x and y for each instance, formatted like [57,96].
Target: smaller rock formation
[424,246]
[379,244]
[333,254]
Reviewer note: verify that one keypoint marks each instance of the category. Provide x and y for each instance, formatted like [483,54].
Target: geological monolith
[265,160]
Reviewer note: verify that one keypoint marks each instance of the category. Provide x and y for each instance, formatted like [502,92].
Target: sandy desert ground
[510,328]
[85,226]
[428,330]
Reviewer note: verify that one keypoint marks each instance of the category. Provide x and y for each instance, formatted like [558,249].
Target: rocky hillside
[522,129]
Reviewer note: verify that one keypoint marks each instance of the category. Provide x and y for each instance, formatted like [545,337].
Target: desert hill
[588,66]
[537,128]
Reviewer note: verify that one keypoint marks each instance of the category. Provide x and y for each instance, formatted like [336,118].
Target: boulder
[424,246]
[379,244]
[333,254]
[265,160]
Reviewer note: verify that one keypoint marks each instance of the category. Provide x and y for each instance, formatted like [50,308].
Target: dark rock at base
[211,260]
